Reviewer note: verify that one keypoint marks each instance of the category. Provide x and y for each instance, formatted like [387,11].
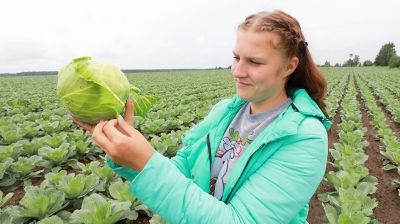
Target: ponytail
[308,76]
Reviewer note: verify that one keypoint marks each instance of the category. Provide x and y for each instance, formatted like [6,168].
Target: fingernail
[120,118]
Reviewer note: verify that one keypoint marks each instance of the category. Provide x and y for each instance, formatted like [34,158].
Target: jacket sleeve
[180,159]
[273,194]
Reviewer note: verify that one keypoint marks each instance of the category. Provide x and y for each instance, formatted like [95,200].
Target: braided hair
[292,43]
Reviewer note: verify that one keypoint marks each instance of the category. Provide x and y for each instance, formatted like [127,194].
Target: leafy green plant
[77,186]
[47,126]
[97,209]
[29,129]
[11,133]
[154,126]
[156,142]
[5,217]
[55,140]
[56,156]
[51,220]
[25,165]
[7,177]
[82,146]
[4,199]
[51,179]
[104,172]
[351,206]
[346,179]
[31,147]
[40,203]
[77,135]
[392,149]
[6,152]
[4,165]
[120,190]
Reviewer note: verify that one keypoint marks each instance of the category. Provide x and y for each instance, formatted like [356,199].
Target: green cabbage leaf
[94,91]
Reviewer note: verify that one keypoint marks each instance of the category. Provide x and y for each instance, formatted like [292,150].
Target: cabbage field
[52,172]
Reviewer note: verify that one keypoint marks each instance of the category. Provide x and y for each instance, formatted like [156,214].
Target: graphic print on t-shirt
[243,129]
[232,148]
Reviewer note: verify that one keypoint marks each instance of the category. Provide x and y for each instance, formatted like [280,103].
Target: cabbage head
[94,91]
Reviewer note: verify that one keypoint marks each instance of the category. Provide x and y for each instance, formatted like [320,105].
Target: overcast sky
[44,35]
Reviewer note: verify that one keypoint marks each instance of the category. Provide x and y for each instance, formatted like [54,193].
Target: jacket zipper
[247,163]
[209,149]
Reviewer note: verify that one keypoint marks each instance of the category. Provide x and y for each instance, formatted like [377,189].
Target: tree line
[386,57]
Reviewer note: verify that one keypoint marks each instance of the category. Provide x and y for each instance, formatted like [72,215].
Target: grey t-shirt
[243,129]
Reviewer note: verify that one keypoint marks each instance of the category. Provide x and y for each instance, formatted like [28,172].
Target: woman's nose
[238,69]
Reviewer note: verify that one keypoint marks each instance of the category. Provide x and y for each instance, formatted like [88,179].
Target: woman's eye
[236,58]
[255,62]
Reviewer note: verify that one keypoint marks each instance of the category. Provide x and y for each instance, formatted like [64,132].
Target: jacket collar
[307,106]
[302,103]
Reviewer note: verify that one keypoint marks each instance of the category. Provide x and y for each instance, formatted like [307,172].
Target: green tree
[352,62]
[327,64]
[394,61]
[356,60]
[368,63]
[384,55]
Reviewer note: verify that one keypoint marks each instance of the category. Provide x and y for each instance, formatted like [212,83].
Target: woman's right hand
[128,117]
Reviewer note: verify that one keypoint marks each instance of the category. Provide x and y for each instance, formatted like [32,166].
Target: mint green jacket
[272,182]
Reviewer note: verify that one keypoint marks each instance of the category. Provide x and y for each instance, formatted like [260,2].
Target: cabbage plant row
[351,202]
[60,169]
[335,92]
[391,144]
[386,92]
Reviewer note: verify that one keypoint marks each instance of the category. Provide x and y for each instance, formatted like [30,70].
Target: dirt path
[388,210]
[316,212]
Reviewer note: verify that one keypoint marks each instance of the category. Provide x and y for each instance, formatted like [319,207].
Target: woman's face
[260,70]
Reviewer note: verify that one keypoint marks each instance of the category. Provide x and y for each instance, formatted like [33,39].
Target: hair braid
[292,43]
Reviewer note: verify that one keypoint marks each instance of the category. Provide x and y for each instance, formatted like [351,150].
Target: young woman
[256,158]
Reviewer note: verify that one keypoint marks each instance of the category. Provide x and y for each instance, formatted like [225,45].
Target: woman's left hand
[120,140]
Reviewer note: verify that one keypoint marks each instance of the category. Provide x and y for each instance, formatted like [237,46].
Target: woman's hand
[120,140]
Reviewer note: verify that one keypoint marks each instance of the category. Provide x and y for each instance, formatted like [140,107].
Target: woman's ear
[291,66]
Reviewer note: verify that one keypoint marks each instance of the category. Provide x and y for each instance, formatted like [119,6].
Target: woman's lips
[242,84]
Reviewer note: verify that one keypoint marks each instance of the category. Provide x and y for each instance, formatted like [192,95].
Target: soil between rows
[388,209]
